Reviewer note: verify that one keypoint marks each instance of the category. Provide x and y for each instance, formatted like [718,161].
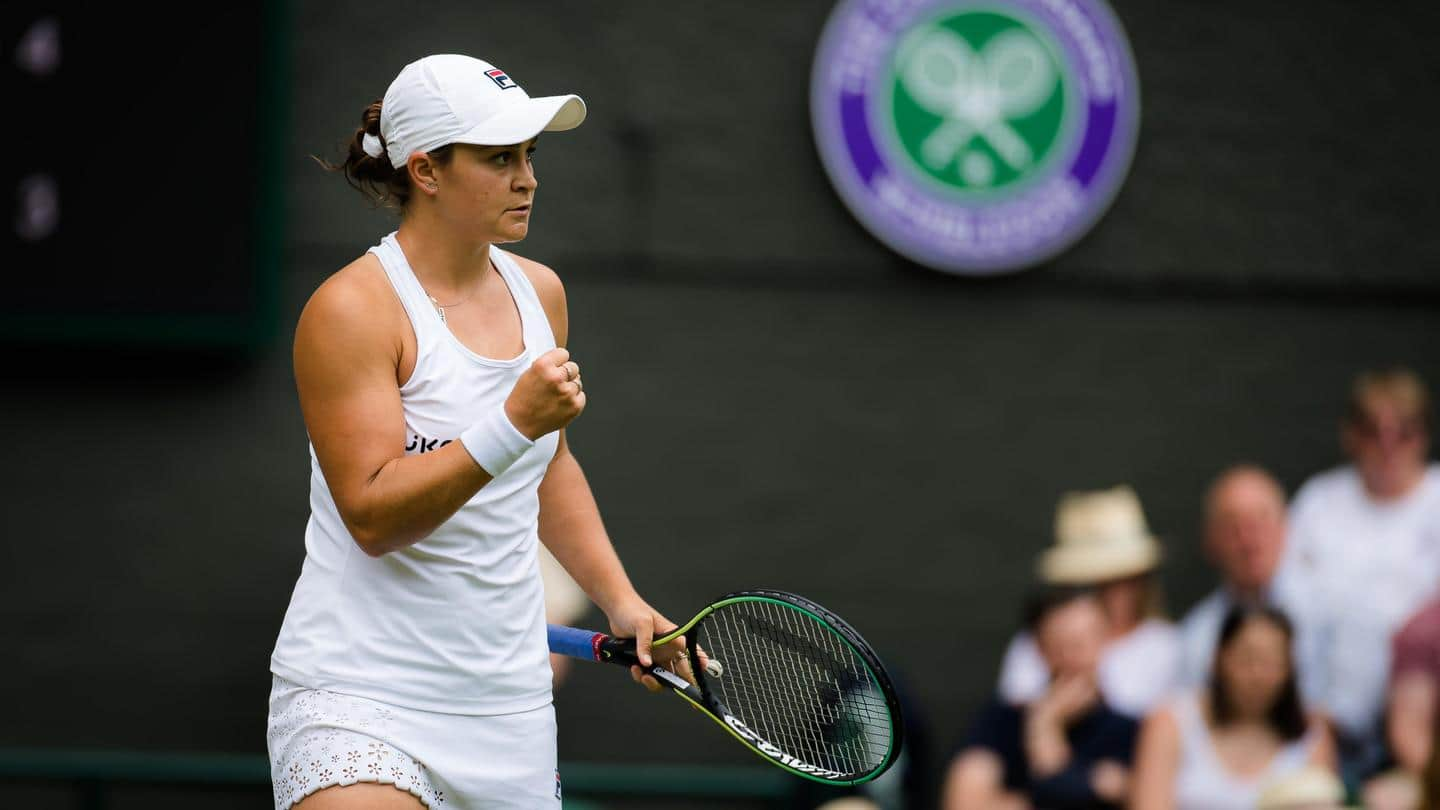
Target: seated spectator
[1364,552]
[1244,539]
[1410,716]
[1218,748]
[1102,542]
[1414,688]
[1066,748]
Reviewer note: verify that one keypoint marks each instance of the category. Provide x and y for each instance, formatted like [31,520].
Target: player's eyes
[503,158]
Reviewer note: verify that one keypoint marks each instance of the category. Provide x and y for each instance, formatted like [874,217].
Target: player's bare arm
[352,346]
[570,523]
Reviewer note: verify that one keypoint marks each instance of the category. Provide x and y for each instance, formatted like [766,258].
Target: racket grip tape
[576,643]
[589,645]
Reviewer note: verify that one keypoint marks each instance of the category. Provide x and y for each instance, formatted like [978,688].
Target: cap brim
[526,120]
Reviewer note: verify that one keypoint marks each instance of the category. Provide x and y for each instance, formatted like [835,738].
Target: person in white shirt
[1364,554]
[1244,539]
[1102,541]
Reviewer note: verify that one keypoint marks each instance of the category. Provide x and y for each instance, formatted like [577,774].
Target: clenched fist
[547,396]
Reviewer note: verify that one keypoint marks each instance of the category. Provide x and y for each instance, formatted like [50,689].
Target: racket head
[797,685]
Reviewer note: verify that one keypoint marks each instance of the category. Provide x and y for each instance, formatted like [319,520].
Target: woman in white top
[1218,749]
[1103,542]
[412,667]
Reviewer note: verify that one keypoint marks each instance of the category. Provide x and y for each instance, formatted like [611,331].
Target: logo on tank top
[975,136]
[421,444]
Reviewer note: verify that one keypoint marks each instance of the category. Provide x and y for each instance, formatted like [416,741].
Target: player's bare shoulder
[545,281]
[356,306]
[551,291]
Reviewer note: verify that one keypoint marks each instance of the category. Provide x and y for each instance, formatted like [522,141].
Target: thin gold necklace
[440,308]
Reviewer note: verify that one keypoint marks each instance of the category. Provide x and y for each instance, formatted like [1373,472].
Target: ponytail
[375,177]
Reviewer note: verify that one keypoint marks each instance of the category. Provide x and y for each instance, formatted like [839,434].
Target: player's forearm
[411,496]
[570,526]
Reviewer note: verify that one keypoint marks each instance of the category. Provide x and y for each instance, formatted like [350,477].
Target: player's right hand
[547,396]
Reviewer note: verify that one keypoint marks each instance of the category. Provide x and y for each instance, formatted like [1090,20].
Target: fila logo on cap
[975,136]
[501,80]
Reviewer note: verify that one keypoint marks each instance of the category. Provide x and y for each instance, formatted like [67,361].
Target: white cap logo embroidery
[501,80]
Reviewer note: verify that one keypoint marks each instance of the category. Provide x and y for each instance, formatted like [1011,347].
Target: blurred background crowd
[1315,655]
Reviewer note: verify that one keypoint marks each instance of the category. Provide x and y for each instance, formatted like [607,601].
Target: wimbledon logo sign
[975,137]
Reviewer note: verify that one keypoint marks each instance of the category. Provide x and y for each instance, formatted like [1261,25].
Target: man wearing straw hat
[1102,541]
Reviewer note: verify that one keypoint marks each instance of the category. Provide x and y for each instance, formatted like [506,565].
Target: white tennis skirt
[318,739]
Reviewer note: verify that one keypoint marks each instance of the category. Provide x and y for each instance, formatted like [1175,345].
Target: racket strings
[847,747]
[794,682]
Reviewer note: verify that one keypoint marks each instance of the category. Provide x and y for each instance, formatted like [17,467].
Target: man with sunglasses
[1364,550]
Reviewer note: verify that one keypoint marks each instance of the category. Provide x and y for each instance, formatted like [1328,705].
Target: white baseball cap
[449,98]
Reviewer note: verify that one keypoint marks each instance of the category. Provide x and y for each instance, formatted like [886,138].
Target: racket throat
[672,680]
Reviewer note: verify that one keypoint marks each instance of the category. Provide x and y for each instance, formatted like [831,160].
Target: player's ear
[422,173]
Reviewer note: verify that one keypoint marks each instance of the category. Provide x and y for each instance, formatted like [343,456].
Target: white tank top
[456,622]
[1204,783]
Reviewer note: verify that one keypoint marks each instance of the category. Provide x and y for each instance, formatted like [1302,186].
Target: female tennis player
[412,667]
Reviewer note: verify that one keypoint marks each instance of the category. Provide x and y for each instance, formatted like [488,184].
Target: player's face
[490,189]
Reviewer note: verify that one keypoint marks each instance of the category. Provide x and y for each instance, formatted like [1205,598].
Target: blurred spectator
[1414,687]
[1364,554]
[1410,719]
[1311,788]
[1065,749]
[1395,789]
[1217,748]
[1244,539]
[1102,541]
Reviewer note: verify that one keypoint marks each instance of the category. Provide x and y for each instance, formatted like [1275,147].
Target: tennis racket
[787,678]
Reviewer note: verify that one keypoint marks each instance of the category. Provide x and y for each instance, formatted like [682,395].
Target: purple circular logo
[975,136]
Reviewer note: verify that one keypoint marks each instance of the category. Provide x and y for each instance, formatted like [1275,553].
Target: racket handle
[574,642]
[589,645]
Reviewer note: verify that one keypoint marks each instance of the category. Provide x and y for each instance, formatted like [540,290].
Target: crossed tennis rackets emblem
[976,94]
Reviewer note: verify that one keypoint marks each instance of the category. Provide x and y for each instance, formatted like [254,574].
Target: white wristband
[494,443]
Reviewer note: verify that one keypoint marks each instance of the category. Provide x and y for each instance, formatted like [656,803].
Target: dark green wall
[772,393]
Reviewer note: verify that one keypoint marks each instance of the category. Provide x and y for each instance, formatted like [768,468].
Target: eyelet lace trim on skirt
[334,750]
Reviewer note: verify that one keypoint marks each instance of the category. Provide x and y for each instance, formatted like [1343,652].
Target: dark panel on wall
[142,179]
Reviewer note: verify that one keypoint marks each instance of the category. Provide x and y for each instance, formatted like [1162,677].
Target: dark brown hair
[1286,716]
[376,178]
[1046,601]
